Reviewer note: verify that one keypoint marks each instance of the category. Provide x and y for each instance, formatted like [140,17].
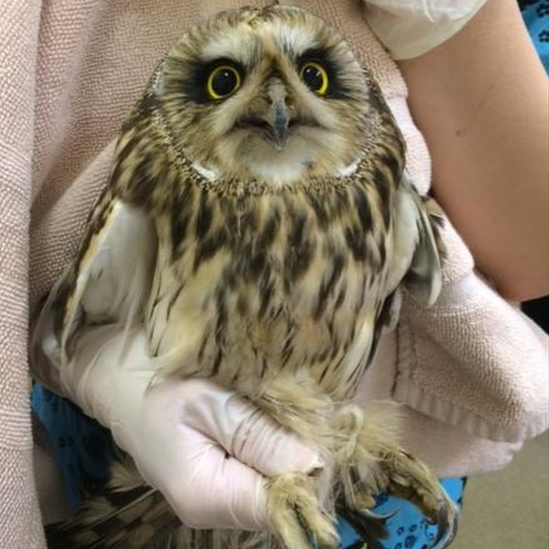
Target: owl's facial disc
[272,95]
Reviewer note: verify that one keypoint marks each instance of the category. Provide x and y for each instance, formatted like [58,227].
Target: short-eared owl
[274,231]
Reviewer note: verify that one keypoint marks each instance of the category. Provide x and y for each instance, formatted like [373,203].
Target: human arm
[480,100]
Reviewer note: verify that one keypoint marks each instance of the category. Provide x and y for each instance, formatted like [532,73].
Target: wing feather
[417,246]
[108,282]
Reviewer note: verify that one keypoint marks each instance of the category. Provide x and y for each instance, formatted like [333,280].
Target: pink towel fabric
[472,370]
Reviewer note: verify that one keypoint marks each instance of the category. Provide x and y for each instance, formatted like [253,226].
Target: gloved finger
[246,432]
[221,492]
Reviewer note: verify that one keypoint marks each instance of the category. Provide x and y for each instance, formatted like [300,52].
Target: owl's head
[270,94]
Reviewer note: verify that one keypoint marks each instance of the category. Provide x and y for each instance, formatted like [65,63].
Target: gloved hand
[412,28]
[188,438]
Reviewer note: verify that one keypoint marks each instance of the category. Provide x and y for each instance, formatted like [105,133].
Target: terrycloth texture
[474,361]
[69,73]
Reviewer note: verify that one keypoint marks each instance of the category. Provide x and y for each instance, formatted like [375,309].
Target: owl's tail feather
[138,518]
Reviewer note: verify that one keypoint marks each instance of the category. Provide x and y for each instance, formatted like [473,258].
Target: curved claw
[374,516]
[368,525]
[411,480]
[447,521]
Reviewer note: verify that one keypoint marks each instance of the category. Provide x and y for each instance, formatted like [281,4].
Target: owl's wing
[108,282]
[418,249]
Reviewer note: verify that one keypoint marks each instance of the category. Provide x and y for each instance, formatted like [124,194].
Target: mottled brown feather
[278,290]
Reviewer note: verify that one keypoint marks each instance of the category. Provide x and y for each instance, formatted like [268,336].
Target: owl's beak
[279,121]
[275,119]
[278,116]
[273,125]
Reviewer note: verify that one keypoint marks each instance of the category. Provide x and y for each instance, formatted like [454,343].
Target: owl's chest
[275,282]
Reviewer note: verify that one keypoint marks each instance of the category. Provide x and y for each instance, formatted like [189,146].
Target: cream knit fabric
[69,73]
[19,518]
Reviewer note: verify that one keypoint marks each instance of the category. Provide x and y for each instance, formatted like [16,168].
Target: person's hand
[207,450]
[409,29]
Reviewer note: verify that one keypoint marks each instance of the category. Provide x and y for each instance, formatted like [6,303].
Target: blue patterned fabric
[84,450]
[536,17]
[408,528]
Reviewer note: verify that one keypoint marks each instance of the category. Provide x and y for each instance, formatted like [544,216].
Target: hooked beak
[279,121]
[275,121]
[274,125]
[278,116]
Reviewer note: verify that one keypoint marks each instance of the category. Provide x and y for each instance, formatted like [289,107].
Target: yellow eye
[315,77]
[223,81]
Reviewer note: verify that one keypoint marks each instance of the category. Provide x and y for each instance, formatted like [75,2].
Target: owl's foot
[372,463]
[409,479]
[296,516]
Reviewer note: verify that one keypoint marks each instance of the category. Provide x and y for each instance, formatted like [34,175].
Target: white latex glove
[207,450]
[411,28]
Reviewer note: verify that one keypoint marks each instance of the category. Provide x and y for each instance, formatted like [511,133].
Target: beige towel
[473,360]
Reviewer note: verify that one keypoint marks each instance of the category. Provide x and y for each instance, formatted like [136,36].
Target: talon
[375,516]
[368,525]
[447,525]
[359,545]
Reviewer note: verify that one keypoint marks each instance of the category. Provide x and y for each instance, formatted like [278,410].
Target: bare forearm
[481,101]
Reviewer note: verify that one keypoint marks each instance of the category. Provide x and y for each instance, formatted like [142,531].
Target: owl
[265,230]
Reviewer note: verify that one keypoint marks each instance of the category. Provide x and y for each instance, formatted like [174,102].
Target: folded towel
[473,360]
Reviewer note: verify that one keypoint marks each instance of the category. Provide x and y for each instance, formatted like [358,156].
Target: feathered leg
[371,462]
[300,516]
[296,516]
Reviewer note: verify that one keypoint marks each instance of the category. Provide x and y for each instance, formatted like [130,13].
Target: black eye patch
[197,84]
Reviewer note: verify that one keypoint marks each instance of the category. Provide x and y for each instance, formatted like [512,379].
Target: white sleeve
[410,28]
